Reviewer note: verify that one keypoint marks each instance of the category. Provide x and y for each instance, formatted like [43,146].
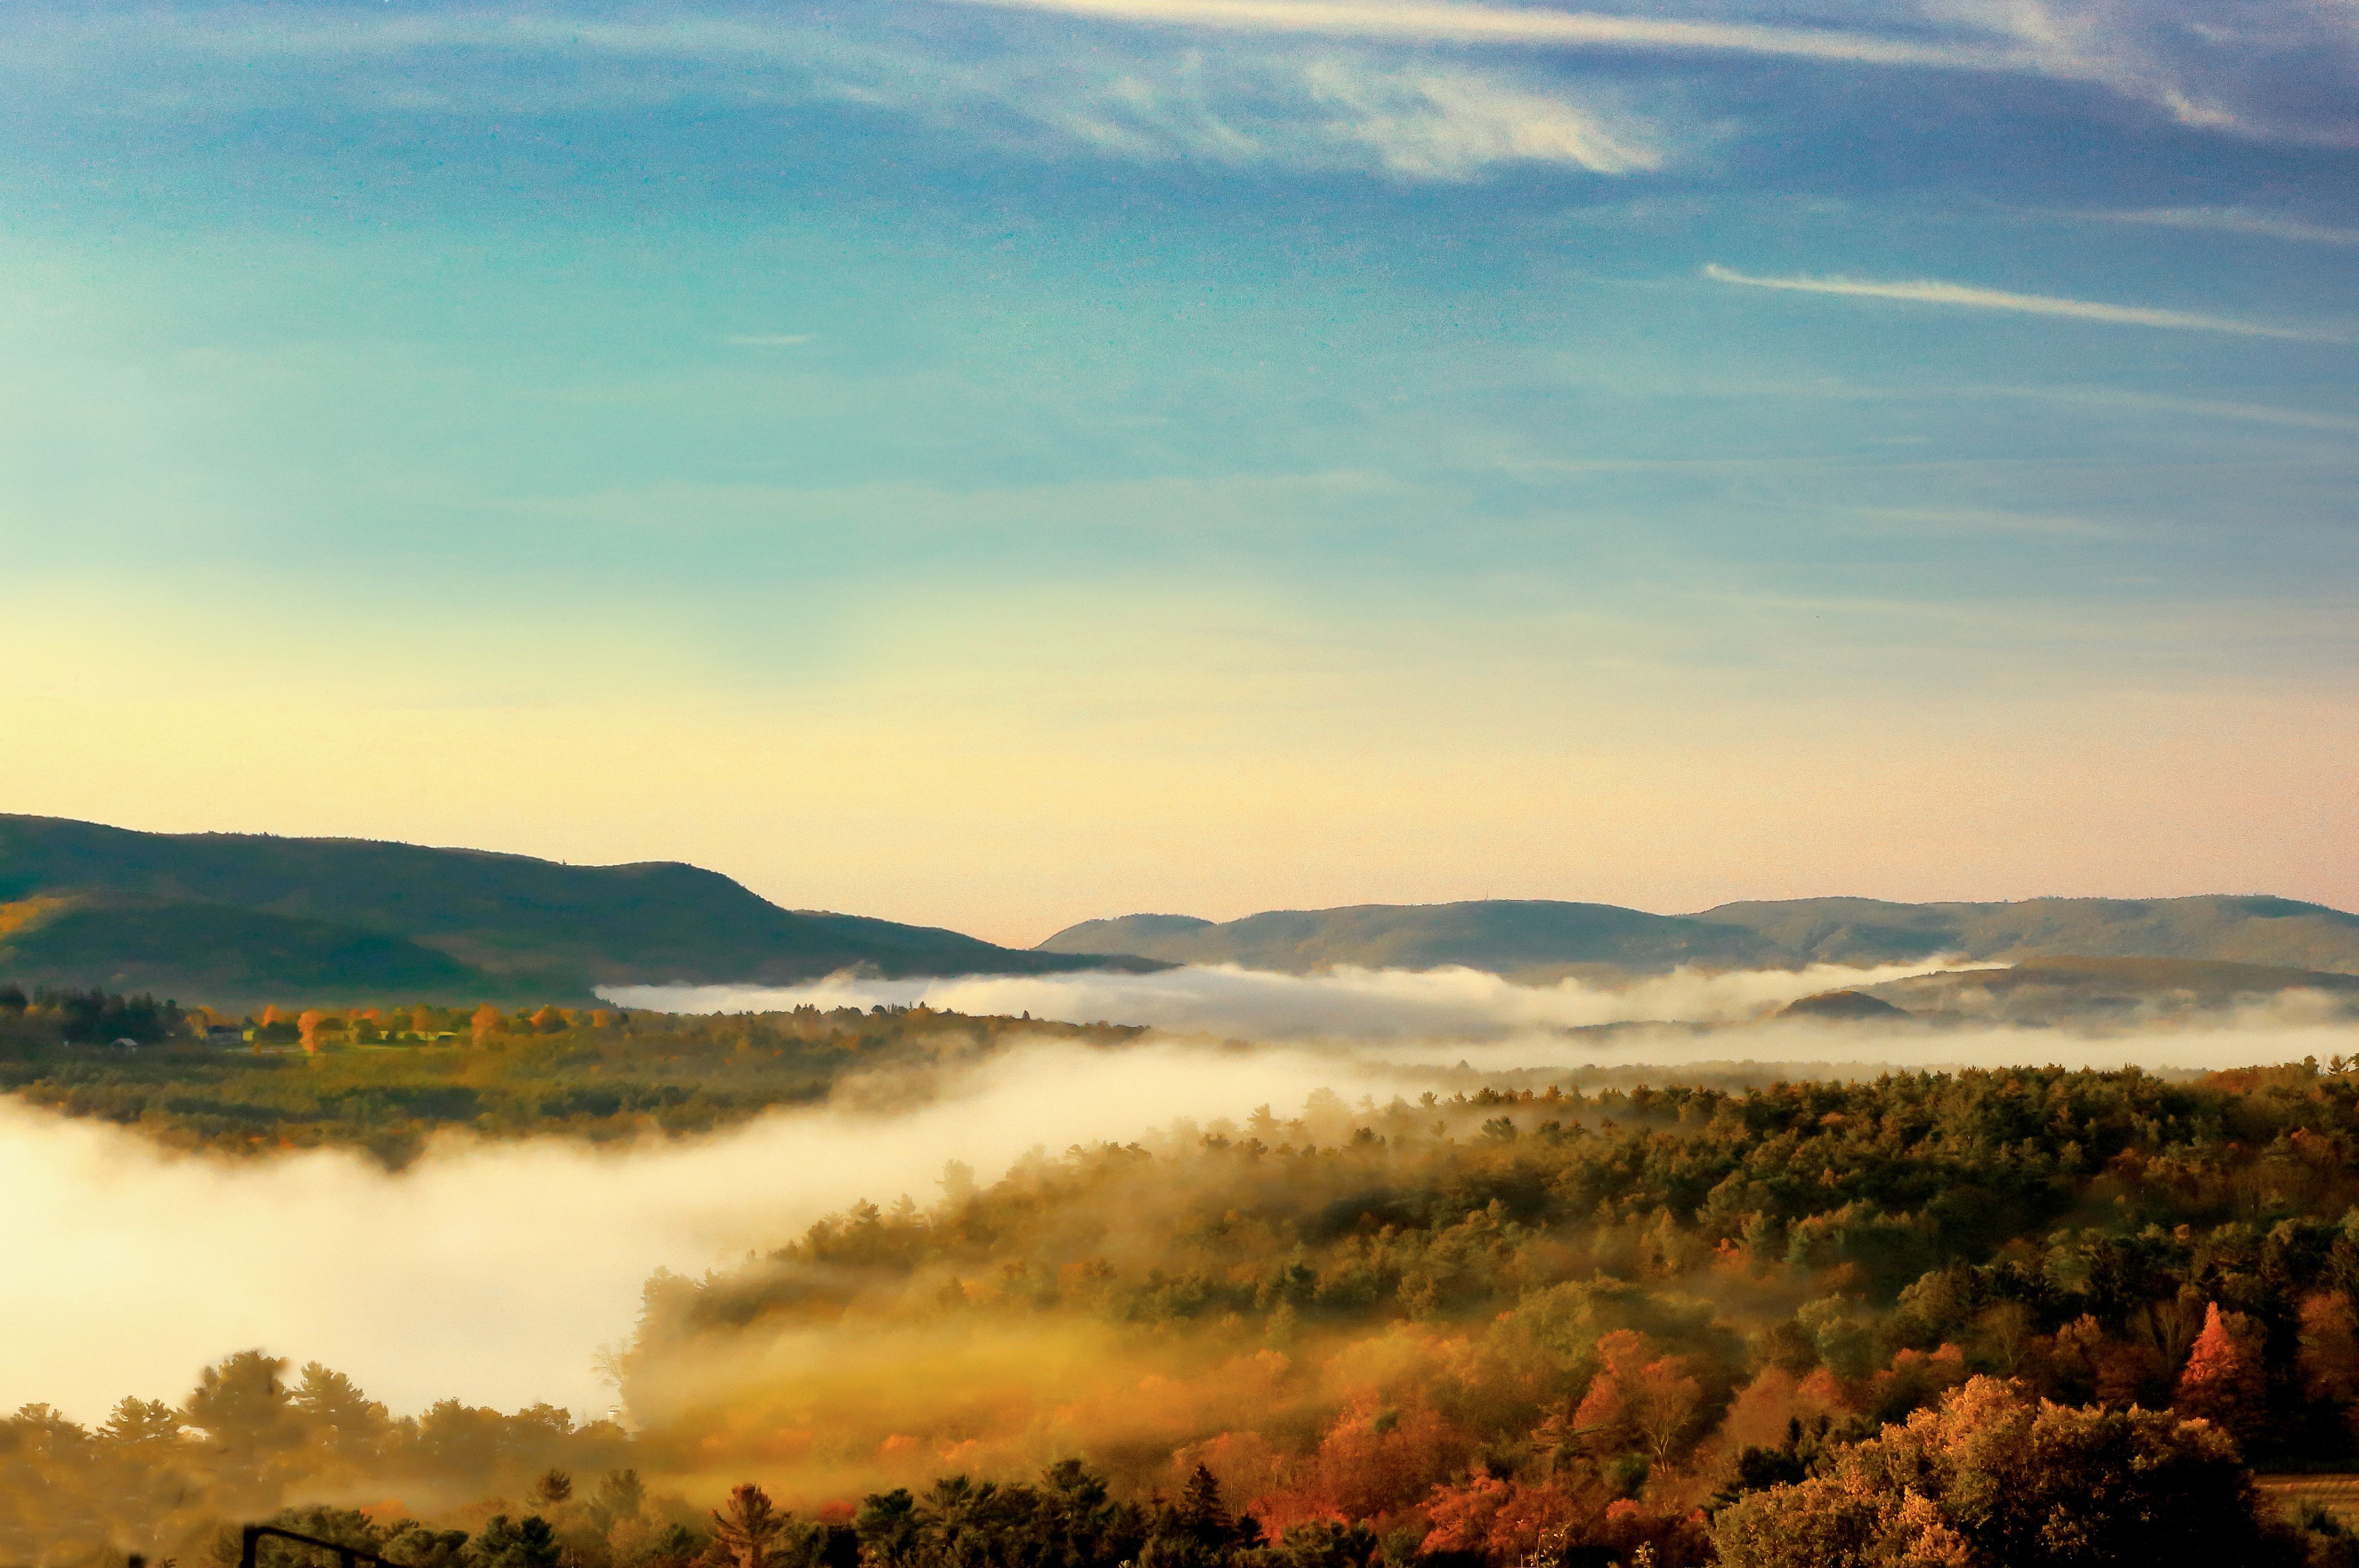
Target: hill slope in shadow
[234,917]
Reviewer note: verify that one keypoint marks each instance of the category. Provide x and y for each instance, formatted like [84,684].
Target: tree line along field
[386,1078]
[2001,1317]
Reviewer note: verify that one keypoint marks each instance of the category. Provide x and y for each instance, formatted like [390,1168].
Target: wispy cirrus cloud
[2266,69]
[1444,87]
[1246,108]
[2237,220]
[1303,105]
[2263,70]
[1532,25]
[1451,124]
[1933,292]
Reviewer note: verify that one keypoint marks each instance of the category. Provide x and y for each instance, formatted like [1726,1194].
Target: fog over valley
[499,1271]
[1345,1003]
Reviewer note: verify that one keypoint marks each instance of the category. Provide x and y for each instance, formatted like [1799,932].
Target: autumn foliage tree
[1497,1519]
[485,1022]
[1641,1399]
[1996,1479]
[2223,1381]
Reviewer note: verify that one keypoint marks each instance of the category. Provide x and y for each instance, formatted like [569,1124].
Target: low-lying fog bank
[496,1272]
[1341,1004]
[1399,1009]
[1800,1047]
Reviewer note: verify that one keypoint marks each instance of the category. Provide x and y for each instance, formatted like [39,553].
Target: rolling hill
[2050,990]
[1507,936]
[2217,928]
[1533,939]
[234,918]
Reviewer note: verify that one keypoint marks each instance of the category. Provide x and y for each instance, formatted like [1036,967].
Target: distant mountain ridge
[1507,936]
[236,917]
[2042,990]
[1532,939]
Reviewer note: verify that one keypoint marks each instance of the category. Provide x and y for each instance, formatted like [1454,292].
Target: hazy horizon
[1241,912]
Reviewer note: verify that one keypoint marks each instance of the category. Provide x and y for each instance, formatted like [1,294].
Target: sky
[998,465]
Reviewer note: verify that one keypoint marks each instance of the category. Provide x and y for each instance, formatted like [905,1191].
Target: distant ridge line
[1536,938]
[237,918]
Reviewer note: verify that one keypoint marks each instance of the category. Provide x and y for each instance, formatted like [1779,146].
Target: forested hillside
[2228,928]
[239,919]
[1539,938]
[1505,936]
[386,1078]
[1664,1326]
[2056,990]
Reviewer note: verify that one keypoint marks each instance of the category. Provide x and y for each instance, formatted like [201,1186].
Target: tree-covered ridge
[244,918]
[1537,937]
[2036,1186]
[1542,1307]
[386,1078]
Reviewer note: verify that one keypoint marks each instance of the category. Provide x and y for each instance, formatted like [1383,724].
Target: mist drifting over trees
[1676,1323]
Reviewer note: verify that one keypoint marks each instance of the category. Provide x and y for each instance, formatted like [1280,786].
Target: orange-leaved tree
[486,1019]
[1641,1399]
[2223,1379]
[1500,1521]
[1377,1459]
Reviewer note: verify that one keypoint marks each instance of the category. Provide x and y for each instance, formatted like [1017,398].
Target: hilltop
[1537,939]
[1506,936]
[239,918]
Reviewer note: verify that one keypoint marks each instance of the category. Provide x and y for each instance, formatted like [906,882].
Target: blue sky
[1000,464]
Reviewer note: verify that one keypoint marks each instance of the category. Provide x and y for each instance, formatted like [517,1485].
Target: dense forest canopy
[1672,1324]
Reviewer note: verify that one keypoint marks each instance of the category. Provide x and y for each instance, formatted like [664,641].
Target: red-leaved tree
[2222,1382]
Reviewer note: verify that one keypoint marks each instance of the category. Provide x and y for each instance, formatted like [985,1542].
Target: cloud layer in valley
[1340,1004]
[496,1273]
[493,1272]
